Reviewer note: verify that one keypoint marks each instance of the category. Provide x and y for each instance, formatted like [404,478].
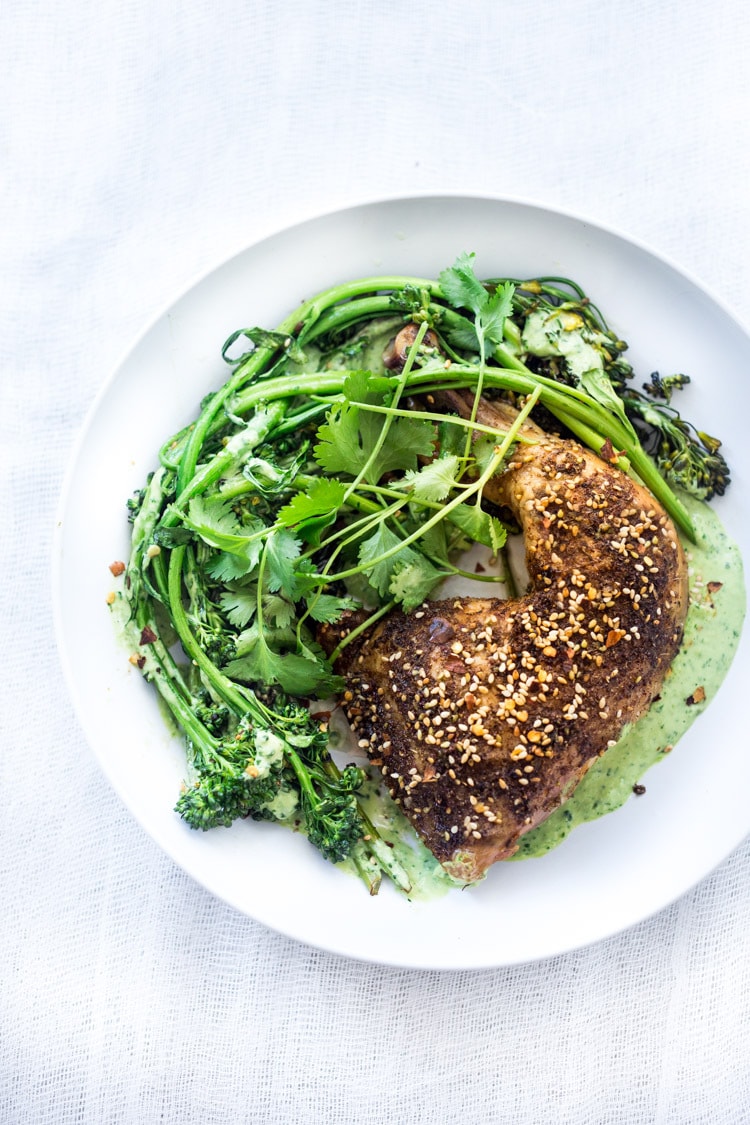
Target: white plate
[608,874]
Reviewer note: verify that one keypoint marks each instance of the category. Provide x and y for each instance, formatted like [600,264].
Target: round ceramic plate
[608,874]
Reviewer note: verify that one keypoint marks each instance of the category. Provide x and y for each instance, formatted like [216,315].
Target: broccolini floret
[686,456]
[214,716]
[332,821]
[208,623]
[329,806]
[217,800]
[236,776]
[330,813]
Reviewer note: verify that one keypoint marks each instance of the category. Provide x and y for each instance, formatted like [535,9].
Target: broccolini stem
[202,426]
[256,430]
[373,843]
[384,854]
[223,686]
[589,436]
[341,317]
[367,867]
[428,416]
[302,775]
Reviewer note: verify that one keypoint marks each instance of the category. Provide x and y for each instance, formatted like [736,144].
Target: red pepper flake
[148,636]
[639,790]
[714,586]
[614,636]
[608,453]
[138,660]
[118,567]
[479,569]
[697,697]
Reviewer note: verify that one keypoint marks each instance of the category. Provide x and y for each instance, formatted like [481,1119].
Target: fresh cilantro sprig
[352,440]
[490,309]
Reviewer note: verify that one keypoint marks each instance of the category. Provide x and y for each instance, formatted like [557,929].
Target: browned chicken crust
[484,714]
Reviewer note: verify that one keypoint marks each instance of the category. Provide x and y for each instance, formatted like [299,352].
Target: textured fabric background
[140,143]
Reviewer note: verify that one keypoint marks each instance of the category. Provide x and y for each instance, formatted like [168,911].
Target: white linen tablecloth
[140,144]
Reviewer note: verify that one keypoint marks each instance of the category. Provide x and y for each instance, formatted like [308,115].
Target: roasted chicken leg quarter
[484,714]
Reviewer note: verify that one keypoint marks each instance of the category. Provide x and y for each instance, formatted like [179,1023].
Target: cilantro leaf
[340,445]
[463,289]
[312,512]
[278,610]
[327,608]
[484,451]
[463,336]
[380,573]
[248,640]
[281,552]
[414,581]
[225,567]
[461,286]
[479,525]
[435,542]
[239,606]
[215,522]
[434,480]
[295,673]
[347,440]
[306,577]
[498,308]
[406,575]
[240,603]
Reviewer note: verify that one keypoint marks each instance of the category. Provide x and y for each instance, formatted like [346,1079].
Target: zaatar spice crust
[484,714]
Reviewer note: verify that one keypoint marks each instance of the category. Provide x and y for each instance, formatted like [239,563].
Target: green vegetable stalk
[317,490]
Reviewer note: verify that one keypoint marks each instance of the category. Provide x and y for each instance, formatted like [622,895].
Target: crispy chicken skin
[484,714]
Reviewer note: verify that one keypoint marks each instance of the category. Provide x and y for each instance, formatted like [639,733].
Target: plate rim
[271,230]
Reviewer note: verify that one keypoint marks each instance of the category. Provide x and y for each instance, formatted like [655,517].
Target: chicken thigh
[483,714]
